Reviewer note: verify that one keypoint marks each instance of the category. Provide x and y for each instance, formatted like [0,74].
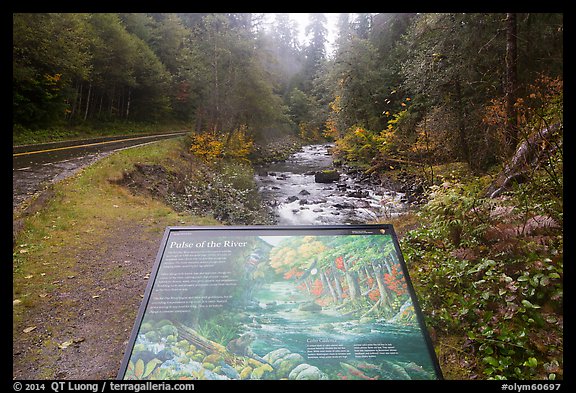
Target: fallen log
[529,155]
[210,346]
[200,342]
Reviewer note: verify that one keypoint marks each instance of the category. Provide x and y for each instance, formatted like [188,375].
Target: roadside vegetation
[78,241]
[26,136]
[78,215]
[157,185]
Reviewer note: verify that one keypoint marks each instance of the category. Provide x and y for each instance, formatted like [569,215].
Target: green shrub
[490,270]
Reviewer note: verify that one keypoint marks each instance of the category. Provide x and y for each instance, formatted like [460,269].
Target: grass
[24,136]
[83,209]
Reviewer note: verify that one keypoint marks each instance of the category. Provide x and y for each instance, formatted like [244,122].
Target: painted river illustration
[293,307]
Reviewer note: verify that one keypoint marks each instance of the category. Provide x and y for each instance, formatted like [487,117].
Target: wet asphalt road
[34,167]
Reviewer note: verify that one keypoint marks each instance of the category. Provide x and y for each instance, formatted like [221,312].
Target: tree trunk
[510,87]
[367,277]
[352,280]
[88,101]
[462,137]
[101,103]
[128,103]
[326,282]
[110,111]
[337,284]
[384,292]
[529,156]
[77,96]
[387,265]
[121,102]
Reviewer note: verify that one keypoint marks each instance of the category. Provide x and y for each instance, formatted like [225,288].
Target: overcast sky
[302,19]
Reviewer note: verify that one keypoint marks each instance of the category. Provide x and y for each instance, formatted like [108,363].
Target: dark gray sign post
[264,302]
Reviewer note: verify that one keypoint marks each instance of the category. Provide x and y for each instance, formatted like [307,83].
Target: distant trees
[427,80]
[429,86]
[50,52]
[89,67]
[207,69]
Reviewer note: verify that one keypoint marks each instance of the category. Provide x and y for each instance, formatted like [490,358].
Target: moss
[454,360]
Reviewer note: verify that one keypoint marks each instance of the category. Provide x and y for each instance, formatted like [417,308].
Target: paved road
[35,166]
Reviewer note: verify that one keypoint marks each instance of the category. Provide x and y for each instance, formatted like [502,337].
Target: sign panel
[299,303]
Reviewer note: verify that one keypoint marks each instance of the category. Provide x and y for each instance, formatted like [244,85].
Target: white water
[321,203]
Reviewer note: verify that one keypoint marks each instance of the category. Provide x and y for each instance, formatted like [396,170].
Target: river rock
[263,372]
[358,194]
[273,356]
[327,176]
[344,205]
[306,371]
[311,307]
[362,203]
[283,361]
[285,365]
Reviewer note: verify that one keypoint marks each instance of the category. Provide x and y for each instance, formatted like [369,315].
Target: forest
[470,102]
[424,87]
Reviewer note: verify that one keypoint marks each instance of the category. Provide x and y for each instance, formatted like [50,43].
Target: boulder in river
[326,176]
[284,362]
[358,194]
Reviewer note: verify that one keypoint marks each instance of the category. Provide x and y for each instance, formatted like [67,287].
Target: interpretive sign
[266,302]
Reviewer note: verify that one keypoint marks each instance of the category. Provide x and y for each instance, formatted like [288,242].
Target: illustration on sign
[265,303]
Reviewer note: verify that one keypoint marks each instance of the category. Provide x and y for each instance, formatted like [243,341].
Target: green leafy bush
[490,271]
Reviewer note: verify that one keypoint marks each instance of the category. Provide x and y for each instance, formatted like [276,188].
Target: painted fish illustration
[355,372]
[366,366]
[395,370]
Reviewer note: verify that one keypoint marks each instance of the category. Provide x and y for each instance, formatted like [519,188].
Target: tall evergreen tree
[315,51]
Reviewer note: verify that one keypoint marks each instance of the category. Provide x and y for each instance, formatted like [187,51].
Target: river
[290,189]
[328,338]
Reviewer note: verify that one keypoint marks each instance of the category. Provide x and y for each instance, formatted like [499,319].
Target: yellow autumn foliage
[211,146]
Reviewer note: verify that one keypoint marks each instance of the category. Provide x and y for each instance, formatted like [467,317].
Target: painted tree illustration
[296,258]
[369,260]
[350,277]
[361,270]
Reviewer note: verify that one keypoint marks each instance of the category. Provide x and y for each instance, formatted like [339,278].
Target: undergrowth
[489,274]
